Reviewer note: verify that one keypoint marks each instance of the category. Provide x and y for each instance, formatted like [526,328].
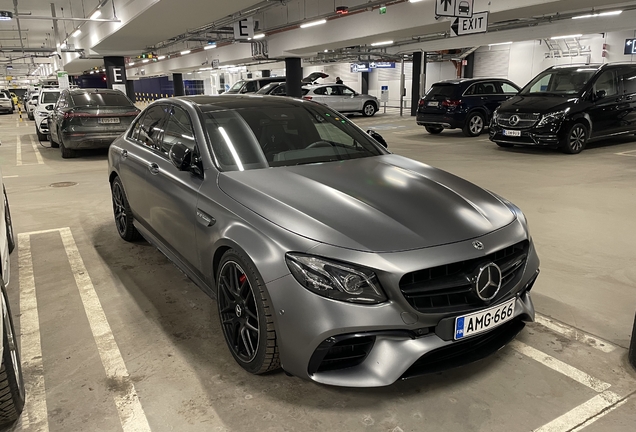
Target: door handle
[124,154]
[154,168]
[204,218]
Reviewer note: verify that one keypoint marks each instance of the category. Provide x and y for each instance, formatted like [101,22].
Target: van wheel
[434,130]
[11,379]
[575,140]
[475,124]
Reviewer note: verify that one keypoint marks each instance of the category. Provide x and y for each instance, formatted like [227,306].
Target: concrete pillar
[177,82]
[415,81]
[470,66]
[116,74]
[294,75]
[266,73]
[365,83]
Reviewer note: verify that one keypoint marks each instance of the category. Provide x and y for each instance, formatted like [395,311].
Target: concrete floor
[567,371]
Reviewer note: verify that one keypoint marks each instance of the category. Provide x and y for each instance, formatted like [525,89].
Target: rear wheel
[67,153]
[575,140]
[11,380]
[369,109]
[433,130]
[475,124]
[246,314]
[123,213]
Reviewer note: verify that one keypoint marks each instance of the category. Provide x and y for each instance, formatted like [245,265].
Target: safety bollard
[632,347]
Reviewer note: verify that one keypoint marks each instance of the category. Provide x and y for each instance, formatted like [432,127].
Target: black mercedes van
[568,106]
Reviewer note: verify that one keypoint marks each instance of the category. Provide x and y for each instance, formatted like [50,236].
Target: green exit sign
[382,10]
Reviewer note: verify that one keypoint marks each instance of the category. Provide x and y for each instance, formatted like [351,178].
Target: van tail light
[451,103]
[307,97]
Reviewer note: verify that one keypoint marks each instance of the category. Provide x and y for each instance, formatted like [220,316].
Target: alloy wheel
[577,138]
[476,125]
[238,310]
[369,110]
[12,346]
[119,208]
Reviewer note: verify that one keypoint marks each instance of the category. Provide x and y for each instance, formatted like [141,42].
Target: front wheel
[246,314]
[41,136]
[475,124]
[434,130]
[369,109]
[575,140]
[123,213]
[11,379]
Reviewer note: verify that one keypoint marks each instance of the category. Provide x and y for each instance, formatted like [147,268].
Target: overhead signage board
[360,67]
[244,29]
[630,47]
[454,8]
[215,63]
[62,79]
[382,65]
[465,26]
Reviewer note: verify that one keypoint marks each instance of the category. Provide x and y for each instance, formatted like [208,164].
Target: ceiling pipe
[44,17]
[15,8]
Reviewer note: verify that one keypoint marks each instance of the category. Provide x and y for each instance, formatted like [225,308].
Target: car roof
[470,80]
[50,90]
[232,101]
[93,90]
[313,86]
[273,79]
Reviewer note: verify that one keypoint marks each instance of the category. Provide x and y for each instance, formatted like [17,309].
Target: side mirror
[600,94]
[376,136]
[49,107]
[180,156]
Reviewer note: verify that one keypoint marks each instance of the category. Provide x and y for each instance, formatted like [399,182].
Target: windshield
[236,87]
[266,89]
[559,82]
[49,97]
[252,138]
[100,99]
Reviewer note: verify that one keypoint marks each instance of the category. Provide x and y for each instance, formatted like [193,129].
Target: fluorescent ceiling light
[602,14]
[161,57]
[567,37]
[96,14]
[58,45]
[185,52]
[382,43]
[131,64]
[259,36]
[415,1]
[189,73]
[76,33]
[92,72]
[500,43]
[209,46]
[313,23]
[63,46]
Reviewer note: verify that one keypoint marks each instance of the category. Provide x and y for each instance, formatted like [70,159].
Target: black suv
[463,103]
[565,107]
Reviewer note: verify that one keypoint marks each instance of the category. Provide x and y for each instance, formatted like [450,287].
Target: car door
[349,100]
[172,194]
[627,77]
[491,95]
[142,141]
[326,96]
[606,99]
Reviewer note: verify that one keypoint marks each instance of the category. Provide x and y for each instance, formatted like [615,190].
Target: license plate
[479,322]
[109,120]
[433,104]
[512,133]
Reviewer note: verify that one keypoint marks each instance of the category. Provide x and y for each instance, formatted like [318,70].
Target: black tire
[55,144]
[246,313]
[575,140]
[41,136]
[369,109]
[67,153]
[504,145]
[475,124]
[123,213]
[11,379]
[8,223]
[434,130]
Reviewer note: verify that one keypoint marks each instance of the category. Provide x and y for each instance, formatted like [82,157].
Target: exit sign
[382,10]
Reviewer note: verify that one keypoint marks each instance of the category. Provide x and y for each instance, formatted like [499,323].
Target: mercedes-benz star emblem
[514,120]
[478,245]
[488,282]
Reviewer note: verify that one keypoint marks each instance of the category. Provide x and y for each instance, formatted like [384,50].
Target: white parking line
[36,418]
[602,413]
[561,367]
[131,413]
[631,153]
[18,152]
[38,156]
[584,414]
[574,334]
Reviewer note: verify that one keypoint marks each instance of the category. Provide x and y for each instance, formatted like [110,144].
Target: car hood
[536,104]
[380,204]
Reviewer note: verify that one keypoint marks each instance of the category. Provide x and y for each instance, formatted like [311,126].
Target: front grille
[526,120]
[447,288]
[340,352]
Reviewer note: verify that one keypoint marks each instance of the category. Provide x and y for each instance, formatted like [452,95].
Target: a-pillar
[116,74]
[294,76]
[415,81]
[177,82]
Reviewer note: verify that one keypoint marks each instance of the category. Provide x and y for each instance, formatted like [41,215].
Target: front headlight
[43,114]
[553,117]
[335,280]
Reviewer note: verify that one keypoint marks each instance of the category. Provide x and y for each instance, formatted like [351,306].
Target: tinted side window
[150,127]
[629,80]
[471,90]
[489,88]
[508,89]
[178,129]
[608,82]
[320,91]
[279,90]
[250,87]
[346,91]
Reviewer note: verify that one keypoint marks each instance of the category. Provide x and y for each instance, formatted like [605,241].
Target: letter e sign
[244,29]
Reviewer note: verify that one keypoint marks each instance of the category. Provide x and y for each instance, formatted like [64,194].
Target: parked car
[6,106]
[274,89]
[31,103]
[11,379]
[89,118]
[46,102]
[327,254]
[252,85]
[566,107]
[467,104]
[342,98]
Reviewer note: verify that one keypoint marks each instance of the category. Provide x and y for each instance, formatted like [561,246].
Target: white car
[11,379]
[46,102]
[31,103]
[342,98]
[6,105]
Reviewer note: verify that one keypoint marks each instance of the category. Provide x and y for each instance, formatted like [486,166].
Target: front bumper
[548,136]
[391,340]
[6,109]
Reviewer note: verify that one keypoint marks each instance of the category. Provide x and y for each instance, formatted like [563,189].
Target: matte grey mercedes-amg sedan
[328,256]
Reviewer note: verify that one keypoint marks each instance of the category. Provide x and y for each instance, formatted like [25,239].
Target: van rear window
[441,91]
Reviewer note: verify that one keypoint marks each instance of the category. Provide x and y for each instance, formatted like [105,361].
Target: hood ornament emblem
[478,245]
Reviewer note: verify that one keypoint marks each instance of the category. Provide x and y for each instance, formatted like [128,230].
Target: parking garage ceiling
[130,28]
